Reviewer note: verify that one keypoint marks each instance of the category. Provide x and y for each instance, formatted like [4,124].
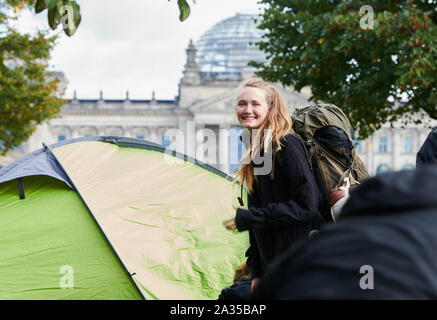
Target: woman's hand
[230,224]
[254,284]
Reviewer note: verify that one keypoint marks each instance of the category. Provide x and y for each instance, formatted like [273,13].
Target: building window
[409,145]
[61,138]
[382,144]
[382,168]
[140,137]
[357,145]
[235,148]
[166,141]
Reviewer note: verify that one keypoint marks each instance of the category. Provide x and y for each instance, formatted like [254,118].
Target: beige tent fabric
[163,219]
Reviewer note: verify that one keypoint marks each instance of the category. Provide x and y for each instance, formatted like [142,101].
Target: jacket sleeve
[303,201]
[253,260]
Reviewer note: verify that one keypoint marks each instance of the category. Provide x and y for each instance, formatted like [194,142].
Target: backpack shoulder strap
[305,147]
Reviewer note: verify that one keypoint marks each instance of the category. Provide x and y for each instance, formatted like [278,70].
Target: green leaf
[51,3]
[184,9]
[75,18]
[53,17]
[40,6]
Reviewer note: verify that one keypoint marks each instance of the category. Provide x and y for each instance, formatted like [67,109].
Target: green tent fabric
[48,230]
[115,218]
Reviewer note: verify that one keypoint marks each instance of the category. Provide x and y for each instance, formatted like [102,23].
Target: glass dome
[225,49]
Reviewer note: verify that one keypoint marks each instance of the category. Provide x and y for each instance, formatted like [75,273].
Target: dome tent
[110,218]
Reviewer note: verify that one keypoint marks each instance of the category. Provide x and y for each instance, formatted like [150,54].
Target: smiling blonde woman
[283,204]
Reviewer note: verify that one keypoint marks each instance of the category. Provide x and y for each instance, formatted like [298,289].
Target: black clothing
[388,223]
[240,290]
[281,209]
[428,152]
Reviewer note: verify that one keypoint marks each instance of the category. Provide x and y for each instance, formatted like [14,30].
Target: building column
[101,130]
[154,135]
[224,147]
[421,137]
[200,140]
[191,139]
[395,146]
[75,132]
[370,160]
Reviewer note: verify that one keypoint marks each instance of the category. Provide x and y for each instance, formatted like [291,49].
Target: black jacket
[281,209]
[389,223]
[240,290]
[428,152]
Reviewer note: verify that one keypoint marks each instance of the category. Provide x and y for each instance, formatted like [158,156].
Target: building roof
[227,47]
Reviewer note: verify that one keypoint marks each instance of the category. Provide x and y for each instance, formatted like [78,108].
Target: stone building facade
[203,112]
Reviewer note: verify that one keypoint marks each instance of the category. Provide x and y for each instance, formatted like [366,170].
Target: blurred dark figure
[383,247]
[428,152]
[240,288]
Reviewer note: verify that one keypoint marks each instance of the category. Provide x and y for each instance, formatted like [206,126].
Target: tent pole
[21,188]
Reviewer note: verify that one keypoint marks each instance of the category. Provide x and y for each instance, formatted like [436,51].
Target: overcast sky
[135,45]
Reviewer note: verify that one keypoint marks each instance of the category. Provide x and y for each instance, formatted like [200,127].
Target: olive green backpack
[325,131]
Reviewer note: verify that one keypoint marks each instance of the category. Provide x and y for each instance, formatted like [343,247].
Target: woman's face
[252,108]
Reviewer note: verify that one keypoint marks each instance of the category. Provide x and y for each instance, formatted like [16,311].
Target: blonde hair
[242,272]
[278,121]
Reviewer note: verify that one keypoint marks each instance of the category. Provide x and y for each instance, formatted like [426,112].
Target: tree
[67,12]
[332,47]
[28,92]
